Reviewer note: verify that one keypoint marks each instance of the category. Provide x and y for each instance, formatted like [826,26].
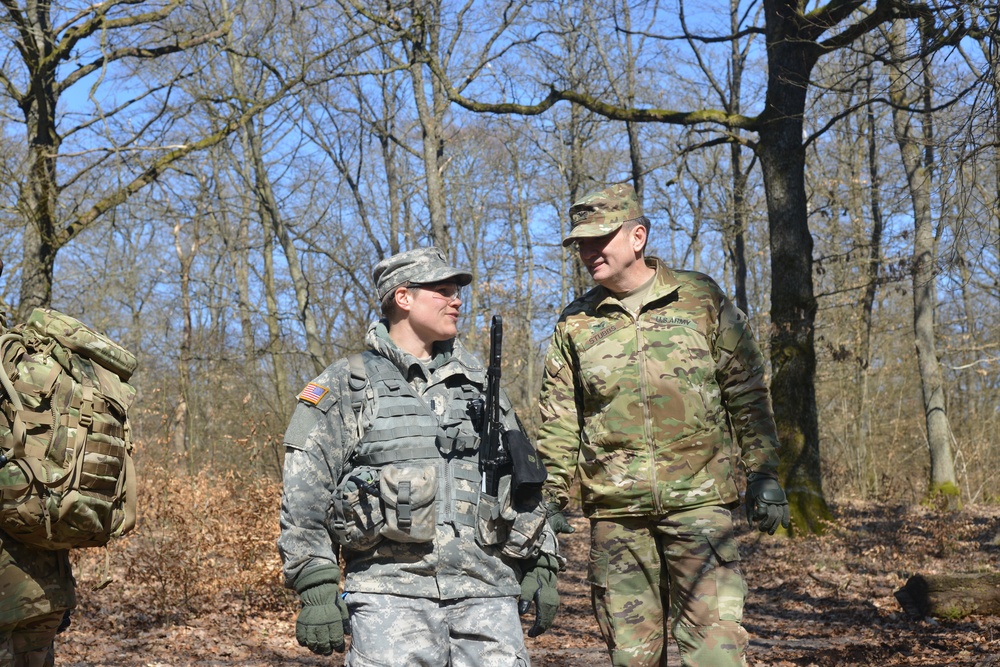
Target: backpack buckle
[87,407]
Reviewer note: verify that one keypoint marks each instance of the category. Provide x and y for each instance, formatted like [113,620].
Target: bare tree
[48,41]
[412,33]
[917,151]
[795,38]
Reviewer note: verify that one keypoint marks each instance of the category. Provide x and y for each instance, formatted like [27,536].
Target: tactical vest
[404,428]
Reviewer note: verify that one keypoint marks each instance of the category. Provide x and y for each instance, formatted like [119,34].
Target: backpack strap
[358,381]
[358,384]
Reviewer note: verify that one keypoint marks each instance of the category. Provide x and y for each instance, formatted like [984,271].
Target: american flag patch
[313,393]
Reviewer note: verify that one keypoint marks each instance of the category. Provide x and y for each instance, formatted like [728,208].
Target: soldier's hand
[557,520]
[538,586]
[766,504]
[323,620]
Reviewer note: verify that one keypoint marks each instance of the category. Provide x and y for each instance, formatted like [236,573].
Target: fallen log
[950,596]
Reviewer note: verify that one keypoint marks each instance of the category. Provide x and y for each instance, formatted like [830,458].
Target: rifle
[504,451]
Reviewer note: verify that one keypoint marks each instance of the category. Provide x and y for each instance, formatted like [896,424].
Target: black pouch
[527,472]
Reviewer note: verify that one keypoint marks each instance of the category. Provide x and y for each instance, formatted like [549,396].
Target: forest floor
[823,601]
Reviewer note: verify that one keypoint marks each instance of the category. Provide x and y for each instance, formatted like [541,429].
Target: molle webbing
[458,411]
[405,429]
[387,456]
[402,414]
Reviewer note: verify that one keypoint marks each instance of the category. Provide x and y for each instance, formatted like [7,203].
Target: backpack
[66,473]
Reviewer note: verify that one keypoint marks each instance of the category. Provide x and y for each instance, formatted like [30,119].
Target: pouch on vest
[408,494]
[515,526]
[491,527]
[355,515]
[526,518]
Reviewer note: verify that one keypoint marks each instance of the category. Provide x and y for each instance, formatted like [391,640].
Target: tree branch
[590,103]
[139,53]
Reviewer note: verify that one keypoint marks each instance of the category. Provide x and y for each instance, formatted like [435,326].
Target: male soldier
[36,591]
[433,568]
[644,378]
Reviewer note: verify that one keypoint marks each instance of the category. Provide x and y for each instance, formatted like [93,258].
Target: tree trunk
[392,184]
[579,278]
[43,76]
[274,347]
[271,215]
[736,237]
[918,179]
[951,596]
[866,476]
[179,436]
[39,195]
[793,304]
[180,450]
[427,34]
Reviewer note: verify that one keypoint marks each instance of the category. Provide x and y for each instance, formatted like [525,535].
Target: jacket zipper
[646,418]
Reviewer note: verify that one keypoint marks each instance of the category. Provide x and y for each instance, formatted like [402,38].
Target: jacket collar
[450,357]
[664,284]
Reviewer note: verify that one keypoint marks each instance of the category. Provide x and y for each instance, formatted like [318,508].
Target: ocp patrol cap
[601,213]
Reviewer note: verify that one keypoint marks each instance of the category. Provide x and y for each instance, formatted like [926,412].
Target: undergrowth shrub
[202,543]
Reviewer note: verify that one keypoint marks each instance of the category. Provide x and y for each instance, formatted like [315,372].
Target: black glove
[557,520]
[539,586]
[766,503]
[323,619]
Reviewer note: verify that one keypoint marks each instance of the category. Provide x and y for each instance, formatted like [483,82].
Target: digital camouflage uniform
[36,590]
[398,592]
[641,409]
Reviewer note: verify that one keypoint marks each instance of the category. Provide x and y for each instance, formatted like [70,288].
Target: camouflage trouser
[36,589]
[687,561]
[30,643]
[418,632]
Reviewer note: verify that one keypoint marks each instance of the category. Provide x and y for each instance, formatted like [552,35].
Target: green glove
[323,620]
[539,586]
[557,520]
[766,503]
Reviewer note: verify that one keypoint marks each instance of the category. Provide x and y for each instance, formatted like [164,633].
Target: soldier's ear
[638,238]
[403,297]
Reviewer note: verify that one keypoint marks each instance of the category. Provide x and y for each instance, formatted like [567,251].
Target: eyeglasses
[445,291]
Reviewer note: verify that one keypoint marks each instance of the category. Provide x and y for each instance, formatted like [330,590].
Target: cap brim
[591,232]
[461,278]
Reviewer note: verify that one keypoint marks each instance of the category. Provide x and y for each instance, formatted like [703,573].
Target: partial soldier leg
[36,588]
[29,643]
[395,630]
[707,589]
[486,632]
[627,588]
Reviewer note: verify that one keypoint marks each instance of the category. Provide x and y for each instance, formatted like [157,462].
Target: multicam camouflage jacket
[322,444]
[642,407]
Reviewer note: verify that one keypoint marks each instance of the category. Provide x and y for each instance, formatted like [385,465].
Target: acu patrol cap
[600,213]
[417,266]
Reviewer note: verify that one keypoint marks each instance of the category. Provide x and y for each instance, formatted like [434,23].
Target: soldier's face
[609,258]
[434,310]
